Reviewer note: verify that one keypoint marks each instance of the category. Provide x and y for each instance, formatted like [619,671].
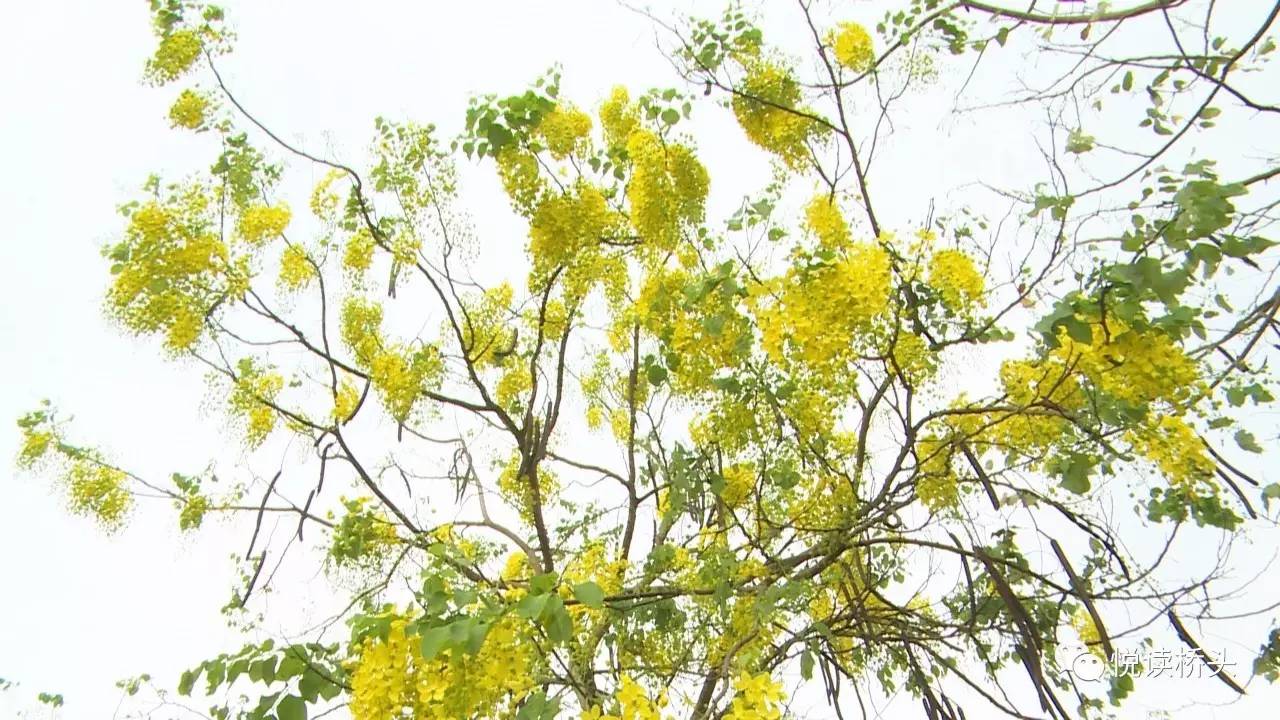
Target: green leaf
[543,583]
[557,621]
[1269,493]
[537,707]
[1078,142]
[589,594]
[531,606]
[476,633]
[187,682]
[292,664]
[434,640]
[1078,330]
[310,684]
[656,374]
[1075,473]
[291,707]
[1246,441]
[714,324]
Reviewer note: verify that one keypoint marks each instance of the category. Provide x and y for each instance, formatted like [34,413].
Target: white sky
[79,134]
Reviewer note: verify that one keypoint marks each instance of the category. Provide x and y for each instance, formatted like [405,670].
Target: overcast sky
[79,134]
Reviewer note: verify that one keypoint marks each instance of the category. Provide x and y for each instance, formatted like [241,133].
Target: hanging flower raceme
[189,110]
[768,109]
[253,398]
[391,678]
[822,311]
[400,373]
[261,223]
[853,47]
[953,275]
[564,130]
[668,189]
[171,269]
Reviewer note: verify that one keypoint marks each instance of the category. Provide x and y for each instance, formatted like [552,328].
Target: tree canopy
[692,466]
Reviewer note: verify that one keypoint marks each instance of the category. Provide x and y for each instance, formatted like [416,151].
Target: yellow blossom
[853,47]
[823,218]
[563,129]
[188,111]
[739,481]
[956,279]
[358,255]
[296,270]
[99,491]
[768,109]
[177,52]
[261,223]
[618,116]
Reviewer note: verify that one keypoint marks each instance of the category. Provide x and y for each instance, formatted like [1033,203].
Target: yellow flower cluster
[1142,369]
[618,117]
[823,218]
[518,170]
[516,568]
[1173,446]
[344,404]
[512,386]
[171,270]
[99,491]
[363,536]
[565,225]
[756,697]
[913,358]
[1082,621]
[177,52]
[936,484]
[487,335]
[358,254]
[35,443]
[731,425]
[668,188]
[853,46]
[593,565]
[957,281]
[1026,382]
[404,248]
[1138,367]
[633,704]
[261,223]
[390,678]
[707,335]
[563,130]
[823,314]
[517,489]
[401,376]
[361,328]
[822,501]
[194,508]
[296,270]
[745,636]
[251,399]
[767,109]
[324,201]
[188,111]
[739,481]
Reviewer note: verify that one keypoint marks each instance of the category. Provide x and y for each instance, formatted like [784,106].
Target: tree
[689,458]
